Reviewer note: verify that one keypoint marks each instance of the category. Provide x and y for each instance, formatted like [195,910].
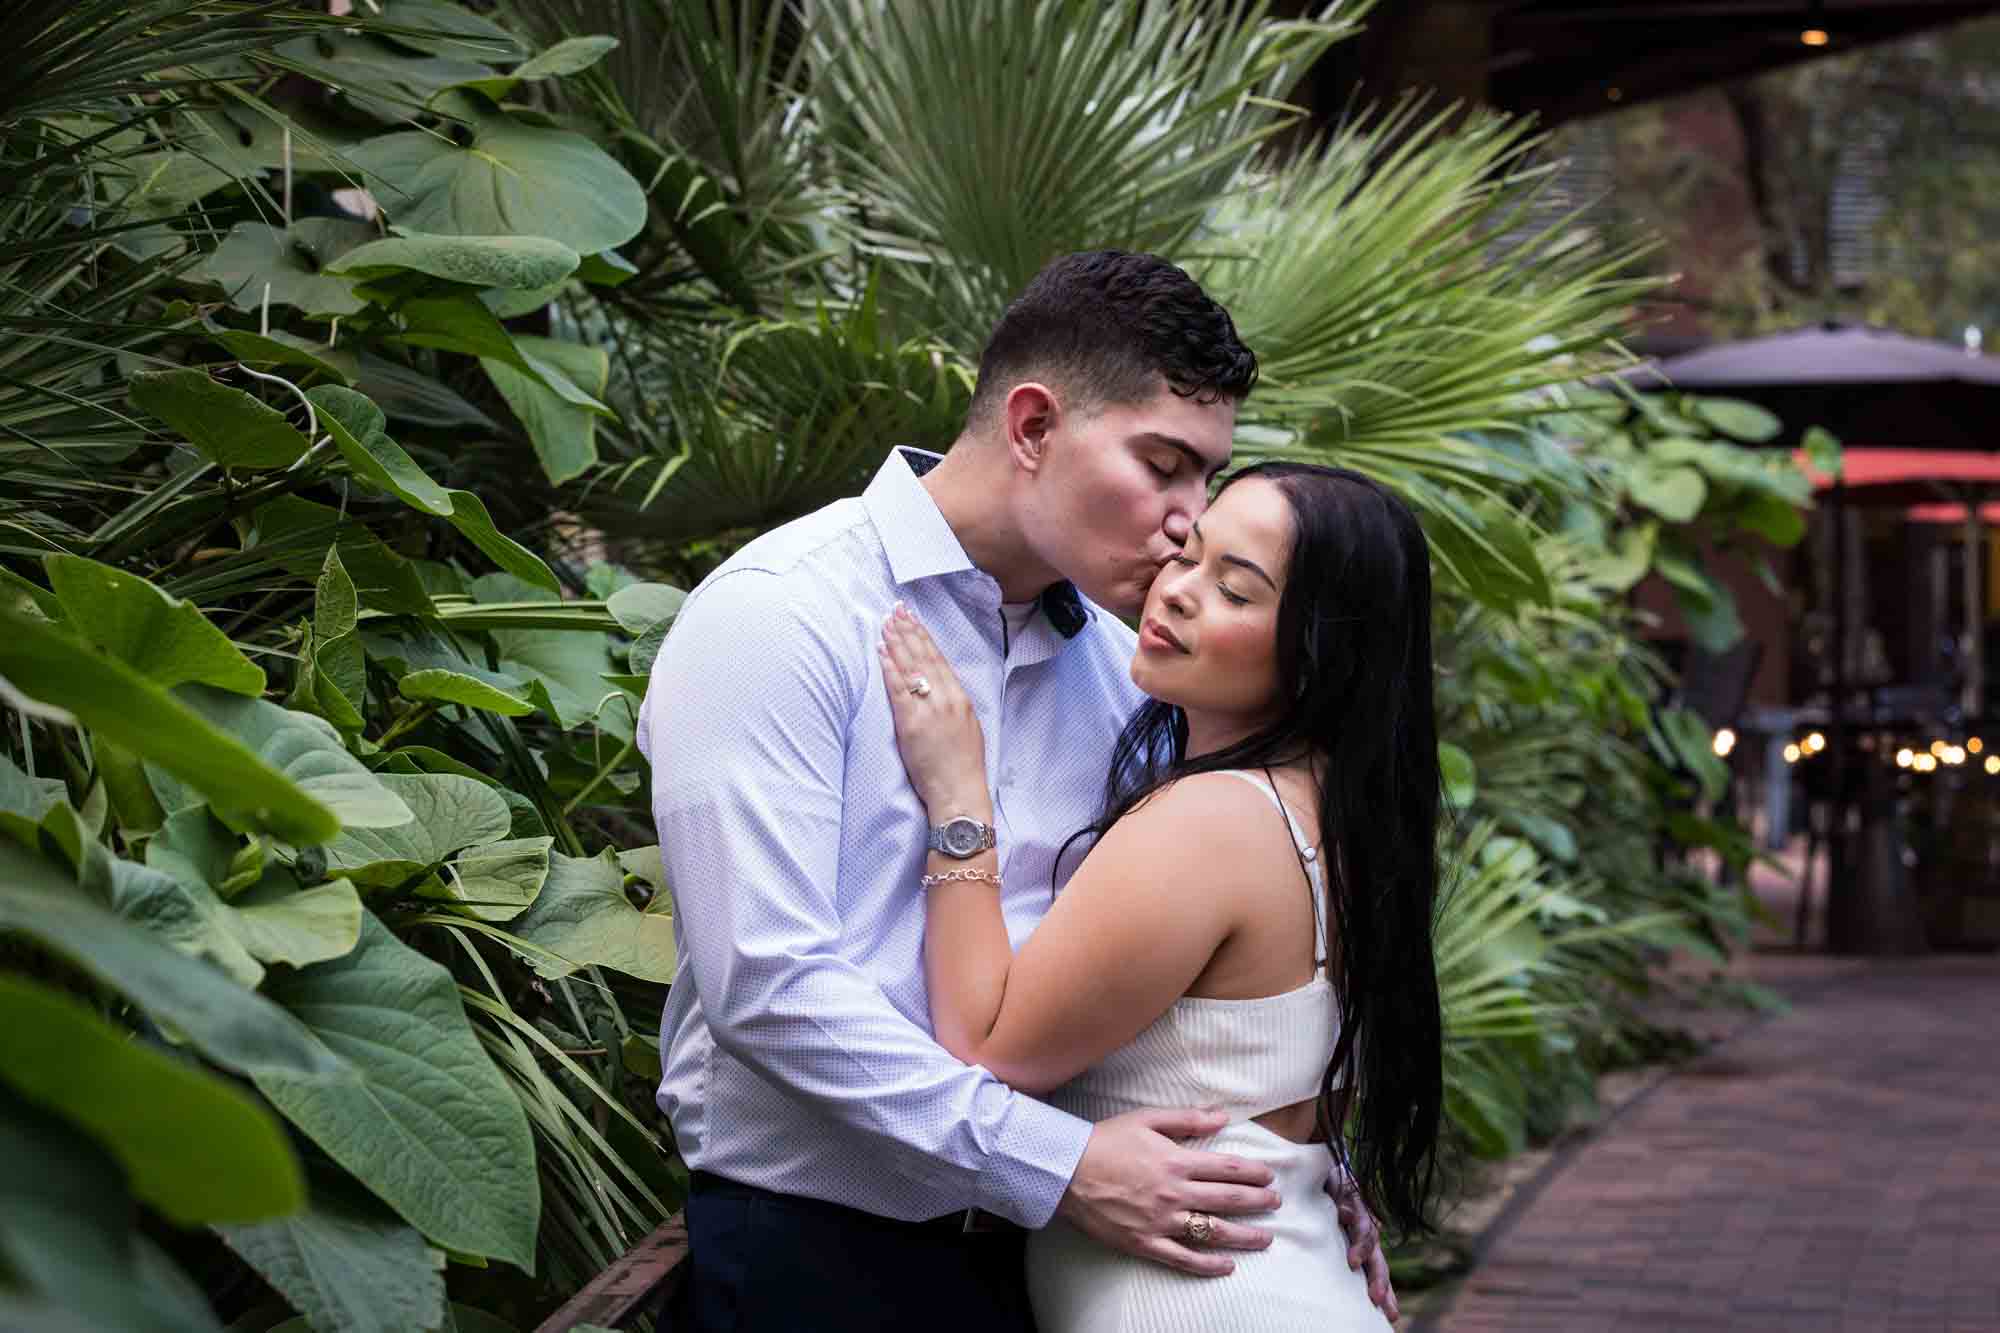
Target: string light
[1725,741]
[1993,763]
[1904,758]
[1792,754]
[1974,745]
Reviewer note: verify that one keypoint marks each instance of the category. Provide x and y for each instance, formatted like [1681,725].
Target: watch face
[962,837]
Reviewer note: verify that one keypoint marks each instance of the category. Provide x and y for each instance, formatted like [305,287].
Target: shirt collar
[921,545]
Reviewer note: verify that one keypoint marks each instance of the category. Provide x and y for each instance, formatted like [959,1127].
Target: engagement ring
[920,687]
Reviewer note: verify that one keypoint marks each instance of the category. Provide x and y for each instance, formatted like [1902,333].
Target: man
[847,1171]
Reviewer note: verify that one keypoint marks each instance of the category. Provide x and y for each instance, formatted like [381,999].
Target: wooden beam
[637,1284]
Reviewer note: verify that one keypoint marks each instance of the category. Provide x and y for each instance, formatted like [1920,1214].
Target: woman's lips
[1154,634]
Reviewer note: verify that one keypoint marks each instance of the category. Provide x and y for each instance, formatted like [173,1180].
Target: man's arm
[746,725]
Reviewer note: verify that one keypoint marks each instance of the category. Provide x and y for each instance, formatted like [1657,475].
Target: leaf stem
[600,776]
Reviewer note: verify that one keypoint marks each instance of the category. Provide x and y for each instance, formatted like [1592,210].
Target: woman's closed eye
[1233,598]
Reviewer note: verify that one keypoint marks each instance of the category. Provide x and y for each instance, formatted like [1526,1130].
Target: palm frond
[980,140]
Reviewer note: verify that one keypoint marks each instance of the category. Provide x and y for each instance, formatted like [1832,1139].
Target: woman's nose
[1174,590]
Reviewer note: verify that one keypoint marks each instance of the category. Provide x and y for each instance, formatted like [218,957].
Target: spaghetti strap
[1308,859]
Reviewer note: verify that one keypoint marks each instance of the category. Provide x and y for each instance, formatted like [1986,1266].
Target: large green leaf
[457,321]
[513,263]
[562,429]
[272,918]
[1675,493]
[1706,604]
[236,1028]
[291,263]
[497,881]
[1823,450]
[278,348]
[165,639]
[1461,775]
[347,1262]
[447,813]
[306,750]
[453,687]
[225,424]
[125,707]
[491,175]
[185,913]
[438,28]
[195,849]
[372,76]
[639,606]
[30,798]
[1733,416]
[435,671]
[585,919]
[333,667]
[74,1261]
[202,1151]
[357,427]
[431,1128]
[564,669]
[298,532]
[571,56]
[279,922]
[410,395]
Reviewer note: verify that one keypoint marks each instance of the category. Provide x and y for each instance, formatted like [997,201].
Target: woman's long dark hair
[1354,665]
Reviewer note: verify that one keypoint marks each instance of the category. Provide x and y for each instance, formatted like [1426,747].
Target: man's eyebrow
[1238,560]
[1208,467]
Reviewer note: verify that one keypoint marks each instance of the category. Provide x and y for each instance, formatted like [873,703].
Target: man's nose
[1188,504]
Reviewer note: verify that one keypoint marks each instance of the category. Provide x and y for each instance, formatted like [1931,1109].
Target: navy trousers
[761,1262]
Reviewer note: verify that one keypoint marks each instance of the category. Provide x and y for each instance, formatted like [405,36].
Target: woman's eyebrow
[1253,567]
[1250,565]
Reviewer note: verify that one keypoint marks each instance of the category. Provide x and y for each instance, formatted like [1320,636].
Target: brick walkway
[1834,1168]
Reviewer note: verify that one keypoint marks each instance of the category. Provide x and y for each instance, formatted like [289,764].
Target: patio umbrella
[1868,386]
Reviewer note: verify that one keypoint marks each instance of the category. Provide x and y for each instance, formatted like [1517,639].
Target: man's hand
[1364,1241]
[1136,1185]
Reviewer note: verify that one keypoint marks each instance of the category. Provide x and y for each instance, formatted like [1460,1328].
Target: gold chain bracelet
[945,877]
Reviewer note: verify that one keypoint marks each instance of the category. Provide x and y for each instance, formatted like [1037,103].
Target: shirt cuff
[1028,1171]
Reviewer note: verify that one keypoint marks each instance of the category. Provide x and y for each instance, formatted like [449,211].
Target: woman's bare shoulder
[1213,822]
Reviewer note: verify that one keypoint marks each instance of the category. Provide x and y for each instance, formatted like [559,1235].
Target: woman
[1252,925]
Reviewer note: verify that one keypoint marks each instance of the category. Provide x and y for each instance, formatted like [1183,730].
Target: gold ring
[920,687]
[1198,1228]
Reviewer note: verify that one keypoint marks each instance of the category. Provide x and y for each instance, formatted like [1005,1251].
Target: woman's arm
[1137,924]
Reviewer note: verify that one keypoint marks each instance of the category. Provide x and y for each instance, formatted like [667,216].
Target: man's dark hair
[1103,324]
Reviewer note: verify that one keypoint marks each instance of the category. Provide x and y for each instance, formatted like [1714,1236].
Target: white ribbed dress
[1249,1057]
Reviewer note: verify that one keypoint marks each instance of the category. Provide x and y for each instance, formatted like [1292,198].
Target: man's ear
[1032,413]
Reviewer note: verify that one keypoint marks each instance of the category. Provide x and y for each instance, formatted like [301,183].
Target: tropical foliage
[333,941]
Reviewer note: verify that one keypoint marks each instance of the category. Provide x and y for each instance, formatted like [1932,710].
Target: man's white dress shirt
[796,1040]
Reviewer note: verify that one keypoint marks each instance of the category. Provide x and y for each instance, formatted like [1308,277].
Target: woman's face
[1208,639]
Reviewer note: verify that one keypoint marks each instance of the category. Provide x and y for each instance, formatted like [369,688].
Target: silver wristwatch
[961,838]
